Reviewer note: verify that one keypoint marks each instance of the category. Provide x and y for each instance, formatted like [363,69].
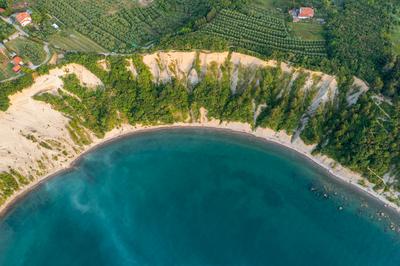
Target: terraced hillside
[122,25]
[261,33]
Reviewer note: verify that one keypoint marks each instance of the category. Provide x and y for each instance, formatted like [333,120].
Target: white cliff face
[28,123]
[182,65]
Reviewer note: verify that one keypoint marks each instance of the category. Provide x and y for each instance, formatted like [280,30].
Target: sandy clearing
[87,78]
[131,68]
[26,118]
[103,64]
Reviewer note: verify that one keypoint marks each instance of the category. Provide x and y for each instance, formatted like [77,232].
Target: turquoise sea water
[194,197]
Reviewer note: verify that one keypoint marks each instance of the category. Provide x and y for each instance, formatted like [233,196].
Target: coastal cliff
[82,104]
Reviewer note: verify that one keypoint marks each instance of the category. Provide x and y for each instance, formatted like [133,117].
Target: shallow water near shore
[195,197]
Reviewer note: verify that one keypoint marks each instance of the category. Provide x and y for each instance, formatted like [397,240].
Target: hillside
[119,26]
[126,26]
[91,98]
[337,40]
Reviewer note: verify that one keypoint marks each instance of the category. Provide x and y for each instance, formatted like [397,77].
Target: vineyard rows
[272,22]
[118,27]
[261,34]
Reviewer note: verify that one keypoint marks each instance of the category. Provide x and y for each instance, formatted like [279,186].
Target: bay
[195,197]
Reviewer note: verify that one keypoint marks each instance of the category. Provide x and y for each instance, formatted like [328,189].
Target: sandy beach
[28,123]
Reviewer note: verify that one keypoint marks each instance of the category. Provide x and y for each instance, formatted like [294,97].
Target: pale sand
[131,68]
[29,117]
[103,64]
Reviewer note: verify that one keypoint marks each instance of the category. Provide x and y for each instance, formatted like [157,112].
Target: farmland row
[118,27]
[261,34]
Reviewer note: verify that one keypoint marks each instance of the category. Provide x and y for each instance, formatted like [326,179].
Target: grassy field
[271,7]
[306,31]
[72,40]
[272,3]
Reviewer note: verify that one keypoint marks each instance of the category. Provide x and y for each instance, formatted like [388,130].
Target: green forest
[5,30]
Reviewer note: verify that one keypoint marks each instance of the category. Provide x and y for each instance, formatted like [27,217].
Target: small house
[16,68]
[301,13]
[2,10]
[18,61]
[306,13]
[24,18]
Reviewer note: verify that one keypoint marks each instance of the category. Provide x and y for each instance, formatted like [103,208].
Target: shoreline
[267,135]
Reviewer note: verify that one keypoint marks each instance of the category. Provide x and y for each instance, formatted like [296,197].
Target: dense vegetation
[358,33]
[5,30]
[11,87]
[392,80]
[364,136]
[10,182]
[4,3]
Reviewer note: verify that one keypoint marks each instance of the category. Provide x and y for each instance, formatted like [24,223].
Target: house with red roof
[24,18]
[17,61]
[16,68]
[2,10]
[306,13]
[302,13]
